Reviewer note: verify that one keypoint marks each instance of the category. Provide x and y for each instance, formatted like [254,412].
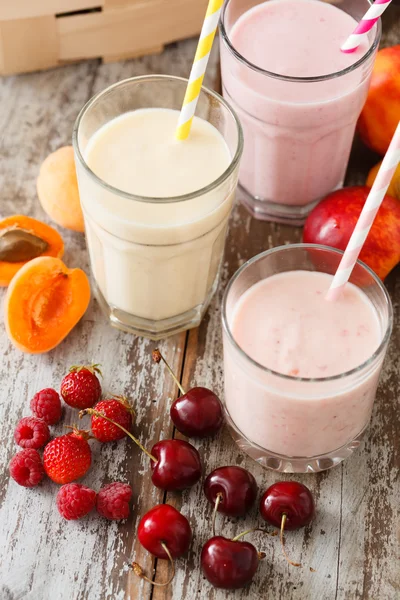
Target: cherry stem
[283,523]
[137,569]
[91,411]
[240,535]
[218,500]
[157,356]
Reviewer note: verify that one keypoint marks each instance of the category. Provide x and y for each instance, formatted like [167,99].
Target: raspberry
[75,501]
[31,432]
[46,405]
[113,501]
[26,467]
[118,410]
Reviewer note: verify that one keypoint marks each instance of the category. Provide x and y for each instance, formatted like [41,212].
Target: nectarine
[381,112]
[333,220]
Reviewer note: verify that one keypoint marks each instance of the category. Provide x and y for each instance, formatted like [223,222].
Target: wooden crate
[39,34]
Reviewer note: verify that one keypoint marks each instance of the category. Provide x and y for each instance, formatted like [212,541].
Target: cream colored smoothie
[154,257]
[285,323]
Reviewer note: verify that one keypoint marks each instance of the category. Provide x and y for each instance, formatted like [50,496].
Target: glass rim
[314,79]
[149,199]
[283,376]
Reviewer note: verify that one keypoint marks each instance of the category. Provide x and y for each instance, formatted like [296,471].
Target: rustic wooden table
[352,544]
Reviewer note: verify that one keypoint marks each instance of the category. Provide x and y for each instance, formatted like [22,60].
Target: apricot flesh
[44,302]
[57,188]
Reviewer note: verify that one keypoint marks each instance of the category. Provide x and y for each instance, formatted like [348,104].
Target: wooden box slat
[32,39]
[23,9]
[28,44]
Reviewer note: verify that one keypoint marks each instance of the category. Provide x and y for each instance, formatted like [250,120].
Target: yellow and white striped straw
[199,68]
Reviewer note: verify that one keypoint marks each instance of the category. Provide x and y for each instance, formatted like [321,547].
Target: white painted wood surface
[353,544]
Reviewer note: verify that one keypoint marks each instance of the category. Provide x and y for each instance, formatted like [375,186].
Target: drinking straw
[365,25]
[367,216]
[199,68]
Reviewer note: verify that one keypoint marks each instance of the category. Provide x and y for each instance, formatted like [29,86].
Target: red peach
[332,222]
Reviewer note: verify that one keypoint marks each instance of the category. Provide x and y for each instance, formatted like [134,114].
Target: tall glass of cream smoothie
[297,95]
[301,372]
[155,209]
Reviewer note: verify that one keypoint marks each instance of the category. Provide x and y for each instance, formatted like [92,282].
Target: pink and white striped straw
[367,216]
[365,25]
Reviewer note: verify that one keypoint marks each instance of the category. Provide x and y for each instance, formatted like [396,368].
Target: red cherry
[198,413]
[165,533]
[288,498]
[177,466]
[163,524]
[229,564]
[236,488]
[287,505]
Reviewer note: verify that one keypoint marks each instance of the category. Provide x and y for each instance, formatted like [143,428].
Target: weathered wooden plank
[86,558]
[203,366]
[353,543]
[42,556]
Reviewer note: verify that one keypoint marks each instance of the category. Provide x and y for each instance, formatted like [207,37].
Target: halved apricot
[22,239]
[44,301]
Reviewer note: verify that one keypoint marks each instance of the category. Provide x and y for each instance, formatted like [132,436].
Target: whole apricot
[57,188]
[381,112]
[394,187]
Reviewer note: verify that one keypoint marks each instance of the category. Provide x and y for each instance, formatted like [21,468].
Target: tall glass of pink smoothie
[301,372]
[297,95]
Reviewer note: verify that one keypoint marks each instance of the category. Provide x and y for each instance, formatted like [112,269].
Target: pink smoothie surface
[286,324]
[296,38]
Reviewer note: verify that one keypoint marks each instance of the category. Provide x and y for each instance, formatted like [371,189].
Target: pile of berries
[175,465]
[68,457]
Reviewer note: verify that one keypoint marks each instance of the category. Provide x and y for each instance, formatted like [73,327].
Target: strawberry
[68,457]
[81,387]
[117,409]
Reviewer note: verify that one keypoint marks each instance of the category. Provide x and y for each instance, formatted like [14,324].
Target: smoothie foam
[286,324]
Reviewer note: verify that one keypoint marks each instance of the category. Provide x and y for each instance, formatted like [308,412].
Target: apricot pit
[23,239]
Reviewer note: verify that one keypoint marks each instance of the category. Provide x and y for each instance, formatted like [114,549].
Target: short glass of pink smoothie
[297,95]
[301,372]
